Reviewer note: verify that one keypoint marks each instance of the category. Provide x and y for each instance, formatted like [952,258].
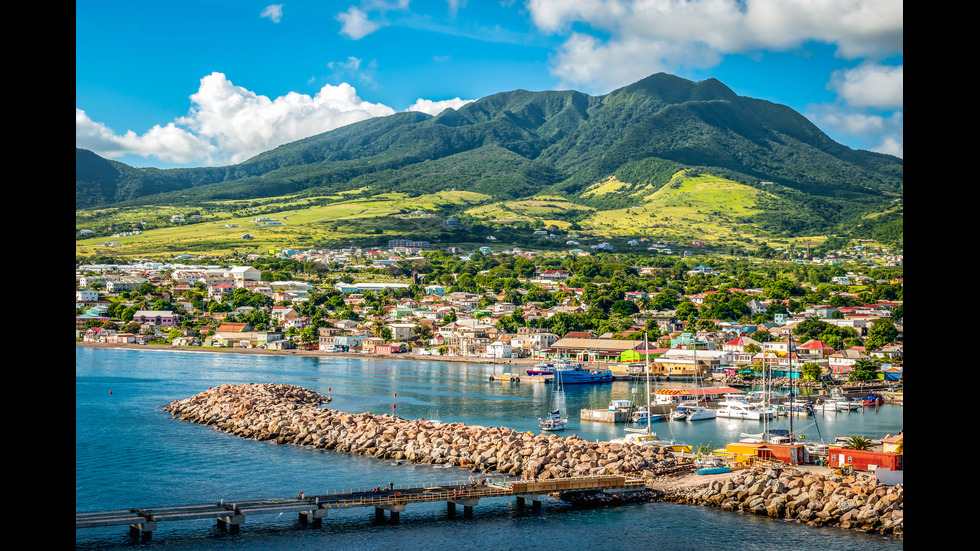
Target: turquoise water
[130,453]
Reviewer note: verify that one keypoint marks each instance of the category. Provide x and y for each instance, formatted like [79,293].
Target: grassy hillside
[559,158]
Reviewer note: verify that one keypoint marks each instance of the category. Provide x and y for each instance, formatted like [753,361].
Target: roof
[597,344]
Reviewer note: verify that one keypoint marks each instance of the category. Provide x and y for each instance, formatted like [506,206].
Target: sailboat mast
[792,391]
[646,359]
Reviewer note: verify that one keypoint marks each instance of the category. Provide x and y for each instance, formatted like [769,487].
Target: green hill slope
[518,144]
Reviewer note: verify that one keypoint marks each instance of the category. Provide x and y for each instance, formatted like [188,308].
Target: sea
[130,453]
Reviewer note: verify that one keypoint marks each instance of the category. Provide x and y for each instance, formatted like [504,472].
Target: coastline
[318,354]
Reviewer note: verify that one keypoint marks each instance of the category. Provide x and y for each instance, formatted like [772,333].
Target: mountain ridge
[521,143]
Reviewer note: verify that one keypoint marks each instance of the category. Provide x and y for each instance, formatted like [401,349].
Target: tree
[881,333]
[858,443]
[811,370]
[863,370]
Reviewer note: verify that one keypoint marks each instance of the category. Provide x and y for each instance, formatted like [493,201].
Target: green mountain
[517,144]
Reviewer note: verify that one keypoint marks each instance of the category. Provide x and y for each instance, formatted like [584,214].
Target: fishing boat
[555,421]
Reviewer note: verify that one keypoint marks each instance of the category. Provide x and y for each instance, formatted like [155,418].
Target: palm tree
[858,443]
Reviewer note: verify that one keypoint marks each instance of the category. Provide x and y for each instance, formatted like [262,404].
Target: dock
[620,415]
[312,509]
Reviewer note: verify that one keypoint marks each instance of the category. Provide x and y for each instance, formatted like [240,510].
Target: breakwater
[855,502]
[287,414]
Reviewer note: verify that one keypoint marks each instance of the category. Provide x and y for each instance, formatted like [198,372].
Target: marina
[117,469]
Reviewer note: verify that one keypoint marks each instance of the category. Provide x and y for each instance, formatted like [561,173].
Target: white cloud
[883,133]
[273,12]
[436,107]
[639,34]
[356,23]
[229,124]
[870,85]
[167,143]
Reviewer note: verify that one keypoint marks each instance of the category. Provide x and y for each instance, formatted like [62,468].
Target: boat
[872,399]
[577,375]
[642,415]
[838,402]
[695,411]
[643,436]
[735,406]
[555,421]
[548,368]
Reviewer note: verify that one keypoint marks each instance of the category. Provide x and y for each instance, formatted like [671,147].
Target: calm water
[130,453]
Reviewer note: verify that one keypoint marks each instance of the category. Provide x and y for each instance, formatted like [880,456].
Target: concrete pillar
[379,513]
[451,508]
[142,531]
[230,523]
[314,517]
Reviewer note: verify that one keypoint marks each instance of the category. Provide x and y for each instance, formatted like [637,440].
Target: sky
[215,82]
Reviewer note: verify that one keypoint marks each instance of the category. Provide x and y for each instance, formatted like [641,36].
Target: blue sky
[214,82]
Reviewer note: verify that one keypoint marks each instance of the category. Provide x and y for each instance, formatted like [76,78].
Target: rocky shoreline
[287,414]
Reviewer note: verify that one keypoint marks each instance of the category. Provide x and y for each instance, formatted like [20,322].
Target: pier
[312,509]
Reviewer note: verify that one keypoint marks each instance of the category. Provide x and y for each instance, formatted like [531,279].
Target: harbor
[146,468]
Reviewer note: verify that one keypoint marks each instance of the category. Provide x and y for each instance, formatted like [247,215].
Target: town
[838,315]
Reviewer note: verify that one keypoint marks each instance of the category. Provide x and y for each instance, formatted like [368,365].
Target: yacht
[735,406]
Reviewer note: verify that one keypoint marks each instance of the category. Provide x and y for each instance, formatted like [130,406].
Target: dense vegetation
[518,144]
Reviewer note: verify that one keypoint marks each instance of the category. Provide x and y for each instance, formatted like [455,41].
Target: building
[156,317]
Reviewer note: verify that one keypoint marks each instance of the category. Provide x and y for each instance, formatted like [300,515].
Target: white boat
[735,406]
[643,436]
[695,411]
[555,420]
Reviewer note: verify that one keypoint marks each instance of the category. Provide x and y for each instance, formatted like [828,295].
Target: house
[842,363]
[816,349]
[499,349]
[555,275]
[401,331]
[156,317]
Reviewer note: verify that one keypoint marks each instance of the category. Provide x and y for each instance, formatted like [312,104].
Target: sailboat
[697,412]
[643,436]
[555,421]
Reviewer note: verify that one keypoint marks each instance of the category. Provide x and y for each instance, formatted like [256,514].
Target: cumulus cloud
[436,107]
[640,34]
[167,143]
[273,12]
[229,124]
[355,23]
[870,85]
[883,133]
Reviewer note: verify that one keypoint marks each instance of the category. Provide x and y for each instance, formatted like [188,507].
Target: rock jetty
[287,414]
[855,502]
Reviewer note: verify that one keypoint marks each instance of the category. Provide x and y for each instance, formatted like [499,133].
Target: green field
[691,207]
[303,224]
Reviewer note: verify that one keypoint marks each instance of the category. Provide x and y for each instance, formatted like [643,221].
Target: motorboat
[872,399]
[690,411]
[641,415]
[735,406]
[577,375]
[548,368]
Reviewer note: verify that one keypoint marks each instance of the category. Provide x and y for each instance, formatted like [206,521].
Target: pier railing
[231,513]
